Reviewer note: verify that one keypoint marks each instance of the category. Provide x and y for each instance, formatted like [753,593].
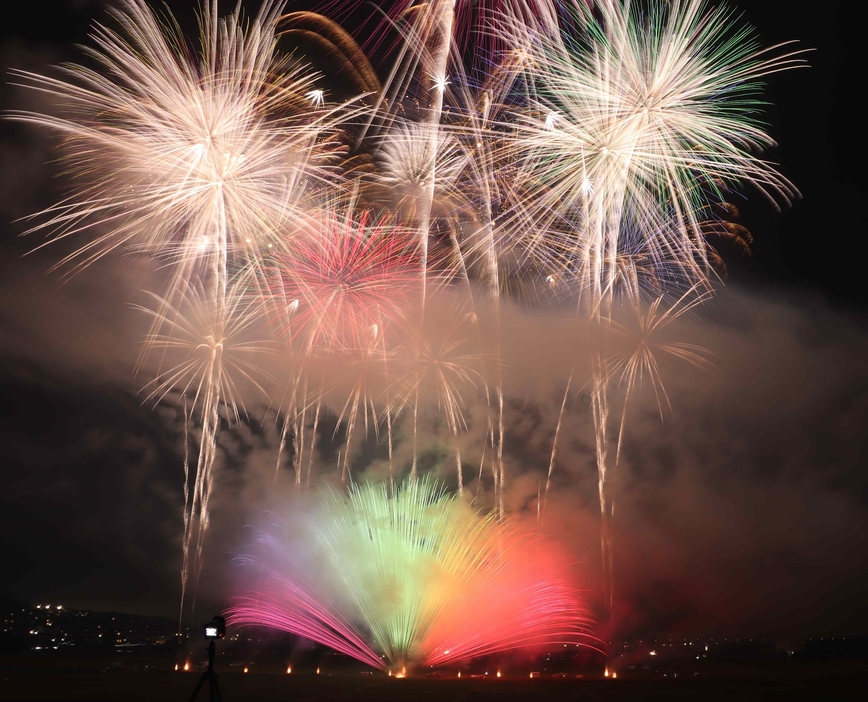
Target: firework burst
[189,157]
[345,280]
[631,122]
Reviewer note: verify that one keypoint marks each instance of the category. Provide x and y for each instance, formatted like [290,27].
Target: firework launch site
[139,678]
[144,658]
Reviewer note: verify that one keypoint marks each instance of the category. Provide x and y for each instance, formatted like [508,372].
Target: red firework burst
[345,279]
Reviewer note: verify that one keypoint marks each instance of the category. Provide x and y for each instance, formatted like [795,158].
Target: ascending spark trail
[207,339]
[557,434]
[443,12]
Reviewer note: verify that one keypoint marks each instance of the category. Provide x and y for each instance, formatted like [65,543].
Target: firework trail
[209,341]
[419,577]
[631,126]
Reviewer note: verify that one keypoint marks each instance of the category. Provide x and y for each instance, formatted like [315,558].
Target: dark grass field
[814,682]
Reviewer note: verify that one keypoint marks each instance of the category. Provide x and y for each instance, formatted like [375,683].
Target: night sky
[744,514]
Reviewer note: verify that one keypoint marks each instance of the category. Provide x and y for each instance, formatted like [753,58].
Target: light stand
[214,630]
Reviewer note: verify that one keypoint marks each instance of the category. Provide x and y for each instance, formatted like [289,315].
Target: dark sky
[745,513]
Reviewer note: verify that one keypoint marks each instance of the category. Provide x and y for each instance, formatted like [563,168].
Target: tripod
[211,677]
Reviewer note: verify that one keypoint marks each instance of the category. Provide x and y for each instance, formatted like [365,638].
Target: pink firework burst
[345,279]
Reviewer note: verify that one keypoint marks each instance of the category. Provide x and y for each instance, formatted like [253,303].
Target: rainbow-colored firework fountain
[418,578]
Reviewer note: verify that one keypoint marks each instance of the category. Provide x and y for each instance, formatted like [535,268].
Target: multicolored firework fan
[415,578]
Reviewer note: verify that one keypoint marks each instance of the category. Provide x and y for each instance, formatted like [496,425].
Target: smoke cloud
[743,510]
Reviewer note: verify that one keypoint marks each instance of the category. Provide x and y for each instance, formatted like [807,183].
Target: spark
[440,82]
[551,120]
[316,97]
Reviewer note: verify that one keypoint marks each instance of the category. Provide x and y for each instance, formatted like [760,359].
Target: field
[787,683]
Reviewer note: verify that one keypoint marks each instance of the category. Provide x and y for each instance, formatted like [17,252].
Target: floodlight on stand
[216,628]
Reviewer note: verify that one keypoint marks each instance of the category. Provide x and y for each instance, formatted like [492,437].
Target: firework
[578,151]
[405,168]
[345,280]
[632,125]
[419,577]
[191,157]
[639,116]
[209,341]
